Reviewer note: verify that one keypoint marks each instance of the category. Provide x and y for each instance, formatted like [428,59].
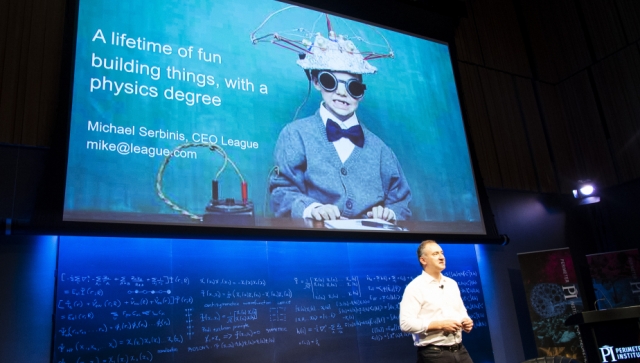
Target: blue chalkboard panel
[122,300]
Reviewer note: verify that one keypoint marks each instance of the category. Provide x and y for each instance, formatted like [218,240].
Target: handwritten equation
[107,318]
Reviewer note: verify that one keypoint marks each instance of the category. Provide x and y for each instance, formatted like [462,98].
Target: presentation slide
[261,114]
[163,300]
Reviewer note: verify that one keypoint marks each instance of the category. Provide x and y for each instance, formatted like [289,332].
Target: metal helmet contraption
[335,54]
[332,52]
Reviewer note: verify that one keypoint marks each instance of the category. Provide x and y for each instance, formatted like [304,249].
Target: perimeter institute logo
[616,354]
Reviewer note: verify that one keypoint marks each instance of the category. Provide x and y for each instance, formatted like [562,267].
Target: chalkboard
[122,300]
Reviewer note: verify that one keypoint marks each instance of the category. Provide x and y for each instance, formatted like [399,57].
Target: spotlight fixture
[586,192]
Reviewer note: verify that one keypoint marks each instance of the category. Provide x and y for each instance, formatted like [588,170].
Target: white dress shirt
[343,146]
[426,300]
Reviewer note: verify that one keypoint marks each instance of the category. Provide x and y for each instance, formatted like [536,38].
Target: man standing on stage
[432,310]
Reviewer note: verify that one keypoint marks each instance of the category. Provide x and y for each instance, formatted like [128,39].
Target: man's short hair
[422,246]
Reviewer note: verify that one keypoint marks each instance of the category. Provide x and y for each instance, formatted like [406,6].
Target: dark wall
[22,172]
[538,222]
[620,213]
[551,91]
[27,277]
[534,222]
[551,94]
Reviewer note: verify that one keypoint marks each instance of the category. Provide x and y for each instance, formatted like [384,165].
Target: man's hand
[380,212]
[449,326]
[467,324]
[325,211]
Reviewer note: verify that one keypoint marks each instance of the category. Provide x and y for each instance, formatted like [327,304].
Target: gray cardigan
[310,170]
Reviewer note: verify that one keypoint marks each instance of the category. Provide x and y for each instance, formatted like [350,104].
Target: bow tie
[354,133]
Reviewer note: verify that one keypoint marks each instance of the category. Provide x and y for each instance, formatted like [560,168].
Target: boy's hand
[325,211]
[380,212]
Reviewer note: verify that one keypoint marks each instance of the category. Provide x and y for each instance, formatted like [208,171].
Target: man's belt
[450,348]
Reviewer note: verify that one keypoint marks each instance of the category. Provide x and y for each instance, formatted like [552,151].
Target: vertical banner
[553,295]
[615,279]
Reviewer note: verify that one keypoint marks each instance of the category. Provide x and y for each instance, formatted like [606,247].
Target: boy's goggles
[329,83]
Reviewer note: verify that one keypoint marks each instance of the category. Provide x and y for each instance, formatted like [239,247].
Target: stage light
[586,192]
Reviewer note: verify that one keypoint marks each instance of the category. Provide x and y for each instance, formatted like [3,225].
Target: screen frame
[413,20]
